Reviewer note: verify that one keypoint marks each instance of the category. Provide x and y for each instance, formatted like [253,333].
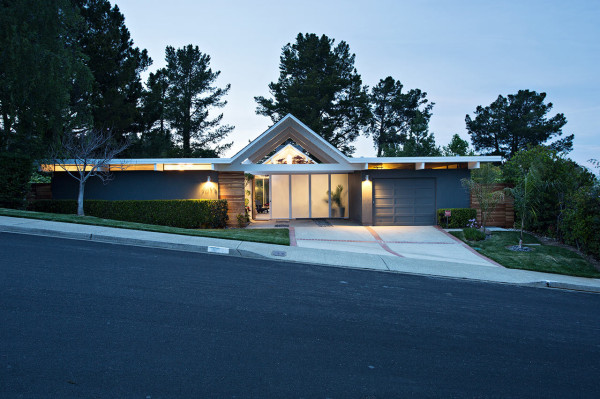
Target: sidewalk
[296,254]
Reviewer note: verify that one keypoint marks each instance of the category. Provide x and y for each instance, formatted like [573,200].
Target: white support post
[419,165]
[474,165]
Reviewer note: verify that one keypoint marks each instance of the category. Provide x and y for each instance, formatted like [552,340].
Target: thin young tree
[482,185]
[524,194]
[90,152]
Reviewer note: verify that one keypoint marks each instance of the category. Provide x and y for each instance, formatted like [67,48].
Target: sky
[462,53]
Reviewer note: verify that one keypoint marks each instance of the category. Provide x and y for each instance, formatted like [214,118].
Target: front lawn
[542,258]
[269,236]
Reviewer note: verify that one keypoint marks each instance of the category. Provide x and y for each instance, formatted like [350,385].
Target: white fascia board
[289,169]
[135,161]
[280,126]
[335,153]
[474,158]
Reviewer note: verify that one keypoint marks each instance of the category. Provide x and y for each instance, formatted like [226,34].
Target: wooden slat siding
[40,191]
[503,215]
[231,188]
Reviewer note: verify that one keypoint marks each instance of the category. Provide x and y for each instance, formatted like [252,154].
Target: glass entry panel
[299,196]
[319,196]
[280,192]
[339,196]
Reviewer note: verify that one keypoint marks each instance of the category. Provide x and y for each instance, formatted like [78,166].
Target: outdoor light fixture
[367,178]
[208,179]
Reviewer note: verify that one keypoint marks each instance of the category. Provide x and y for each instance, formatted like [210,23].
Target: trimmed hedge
[14,180]
[459,219]
[187,214]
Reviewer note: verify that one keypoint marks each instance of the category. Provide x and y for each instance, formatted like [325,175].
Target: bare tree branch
[90,152]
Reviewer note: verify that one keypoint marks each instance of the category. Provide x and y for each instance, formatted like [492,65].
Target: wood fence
[503,215]
[231,188]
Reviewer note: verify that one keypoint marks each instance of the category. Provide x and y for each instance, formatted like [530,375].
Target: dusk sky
[462,53]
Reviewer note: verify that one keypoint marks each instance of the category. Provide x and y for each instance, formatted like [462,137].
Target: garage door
[404,202]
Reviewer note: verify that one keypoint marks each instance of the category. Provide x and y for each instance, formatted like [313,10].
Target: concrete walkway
[327,257]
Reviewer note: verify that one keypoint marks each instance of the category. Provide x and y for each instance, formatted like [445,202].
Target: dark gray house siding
[135,185]
[355,195]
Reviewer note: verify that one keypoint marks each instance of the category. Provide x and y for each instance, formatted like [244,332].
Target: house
[297,174]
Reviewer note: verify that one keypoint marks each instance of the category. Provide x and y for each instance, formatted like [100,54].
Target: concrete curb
[122,241]
[103,238]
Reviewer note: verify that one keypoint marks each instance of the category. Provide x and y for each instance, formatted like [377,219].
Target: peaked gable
[289,154]
[289,127]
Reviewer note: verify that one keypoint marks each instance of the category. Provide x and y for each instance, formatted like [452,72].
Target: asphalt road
[90,320]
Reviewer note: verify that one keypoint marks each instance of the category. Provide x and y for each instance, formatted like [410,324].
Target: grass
[542,258]
[269,236]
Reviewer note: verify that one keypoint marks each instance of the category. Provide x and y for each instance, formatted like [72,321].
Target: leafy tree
[393,113]
[512,123]
[417,142]
[191,94]
[482,185]
[582,220]
[457,147]
[116,65]
[561,178]
[319,84]
[41,70]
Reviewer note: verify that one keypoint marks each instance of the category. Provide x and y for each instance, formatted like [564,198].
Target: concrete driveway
[418,242]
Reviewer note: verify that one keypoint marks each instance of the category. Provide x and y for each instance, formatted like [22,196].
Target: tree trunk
[522,227]
[80,198]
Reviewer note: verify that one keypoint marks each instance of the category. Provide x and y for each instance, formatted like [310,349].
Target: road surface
[91,320]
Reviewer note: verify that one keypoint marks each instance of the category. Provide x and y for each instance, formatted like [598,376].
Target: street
[89,320]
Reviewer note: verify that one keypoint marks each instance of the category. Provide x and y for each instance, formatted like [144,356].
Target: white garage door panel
[409,202]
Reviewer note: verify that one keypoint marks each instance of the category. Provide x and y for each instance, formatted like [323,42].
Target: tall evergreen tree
[319,84]
[516,122]
[155,138]
[116,66]
[394,112]
[41,70]
[191,94]
[417,142]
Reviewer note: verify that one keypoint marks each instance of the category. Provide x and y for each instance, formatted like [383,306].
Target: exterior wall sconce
[366,178]
[208,179]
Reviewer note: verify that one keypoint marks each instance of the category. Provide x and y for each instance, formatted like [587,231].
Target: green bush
[14,180]
[581,222]
[472,234]
[188,214]
[459,219]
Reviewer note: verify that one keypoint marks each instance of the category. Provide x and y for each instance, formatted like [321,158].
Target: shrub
[581,223]
[189,214]
[472,234]
[459,219]
[14,180]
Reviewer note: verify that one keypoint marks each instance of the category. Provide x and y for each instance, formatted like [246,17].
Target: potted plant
[336,199]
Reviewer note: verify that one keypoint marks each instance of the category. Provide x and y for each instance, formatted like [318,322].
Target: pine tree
[190,96]
[516,122]
[42,71]
[116,66]
[319,85]
[393,112]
